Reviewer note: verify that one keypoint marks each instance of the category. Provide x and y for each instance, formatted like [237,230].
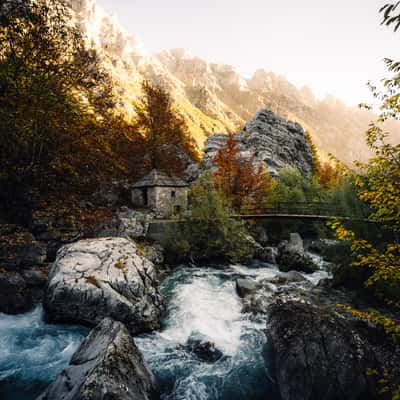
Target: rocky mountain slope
[273,143]
[214,97]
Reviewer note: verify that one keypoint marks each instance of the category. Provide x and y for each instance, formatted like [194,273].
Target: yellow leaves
[371,372]
[390,326]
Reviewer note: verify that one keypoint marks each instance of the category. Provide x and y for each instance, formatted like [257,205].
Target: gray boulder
[93,279]
[107,365]
[291,256]
[286,277]
[246,287]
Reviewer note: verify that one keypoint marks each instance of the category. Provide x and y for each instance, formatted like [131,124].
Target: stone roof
[158,178]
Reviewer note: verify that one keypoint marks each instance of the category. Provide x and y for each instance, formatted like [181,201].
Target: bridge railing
[296,208]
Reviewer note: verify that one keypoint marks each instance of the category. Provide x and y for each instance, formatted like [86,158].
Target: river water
[201,303]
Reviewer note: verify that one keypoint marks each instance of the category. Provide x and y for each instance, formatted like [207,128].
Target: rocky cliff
[215,97]
[271,141]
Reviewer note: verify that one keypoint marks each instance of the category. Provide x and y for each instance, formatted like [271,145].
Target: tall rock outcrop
[272,141]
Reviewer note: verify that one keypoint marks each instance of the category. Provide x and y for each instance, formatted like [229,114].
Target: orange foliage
[237,178]
[329,175]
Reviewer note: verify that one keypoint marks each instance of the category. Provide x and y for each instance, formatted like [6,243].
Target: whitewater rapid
[201,303]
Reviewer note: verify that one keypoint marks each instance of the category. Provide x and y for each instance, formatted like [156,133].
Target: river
[201,303]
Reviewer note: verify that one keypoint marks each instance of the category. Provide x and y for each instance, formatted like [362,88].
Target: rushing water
[32,353]
[201,302]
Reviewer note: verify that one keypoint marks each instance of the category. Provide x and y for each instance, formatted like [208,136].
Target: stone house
[164,194]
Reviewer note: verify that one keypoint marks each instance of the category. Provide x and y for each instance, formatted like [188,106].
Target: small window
[173,194]
[145,198]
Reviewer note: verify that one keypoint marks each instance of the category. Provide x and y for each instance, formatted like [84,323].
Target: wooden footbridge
[311,211]
[302,212]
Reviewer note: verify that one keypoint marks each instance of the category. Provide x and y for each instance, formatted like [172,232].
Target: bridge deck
[289,216]
[304,217]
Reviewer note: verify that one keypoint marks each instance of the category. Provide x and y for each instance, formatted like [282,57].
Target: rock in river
[203,349]
[107,365]
[93,279]
[246,287]
[291,256]
[320,353]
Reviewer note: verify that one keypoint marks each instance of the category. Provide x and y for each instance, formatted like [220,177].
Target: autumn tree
[327,173]
[170,146]
[54,99]
[378,185]
[243,183]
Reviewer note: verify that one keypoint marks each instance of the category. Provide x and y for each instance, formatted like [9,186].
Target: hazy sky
[333,46]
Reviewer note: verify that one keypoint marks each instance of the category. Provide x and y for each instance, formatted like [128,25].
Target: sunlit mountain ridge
[215,98]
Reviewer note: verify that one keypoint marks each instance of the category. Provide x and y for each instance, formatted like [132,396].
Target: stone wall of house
[138,197]
[161,199]
[169,198]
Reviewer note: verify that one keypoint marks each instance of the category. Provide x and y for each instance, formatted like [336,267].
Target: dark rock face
[19,249]
[291,256]
[203,349]
[321,354]
[93,279]
[272,141]
[15,296]
[107,365]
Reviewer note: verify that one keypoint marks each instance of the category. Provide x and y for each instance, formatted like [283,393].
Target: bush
[209,233]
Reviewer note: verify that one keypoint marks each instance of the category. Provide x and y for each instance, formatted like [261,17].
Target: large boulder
[320,353]
[93,279]
[15,296]
[271,141]
[107,365]
[291,256]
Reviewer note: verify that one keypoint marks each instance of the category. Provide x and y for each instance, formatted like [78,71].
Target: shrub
[209,233]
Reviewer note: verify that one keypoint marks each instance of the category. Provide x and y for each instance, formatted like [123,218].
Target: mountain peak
[214,97]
